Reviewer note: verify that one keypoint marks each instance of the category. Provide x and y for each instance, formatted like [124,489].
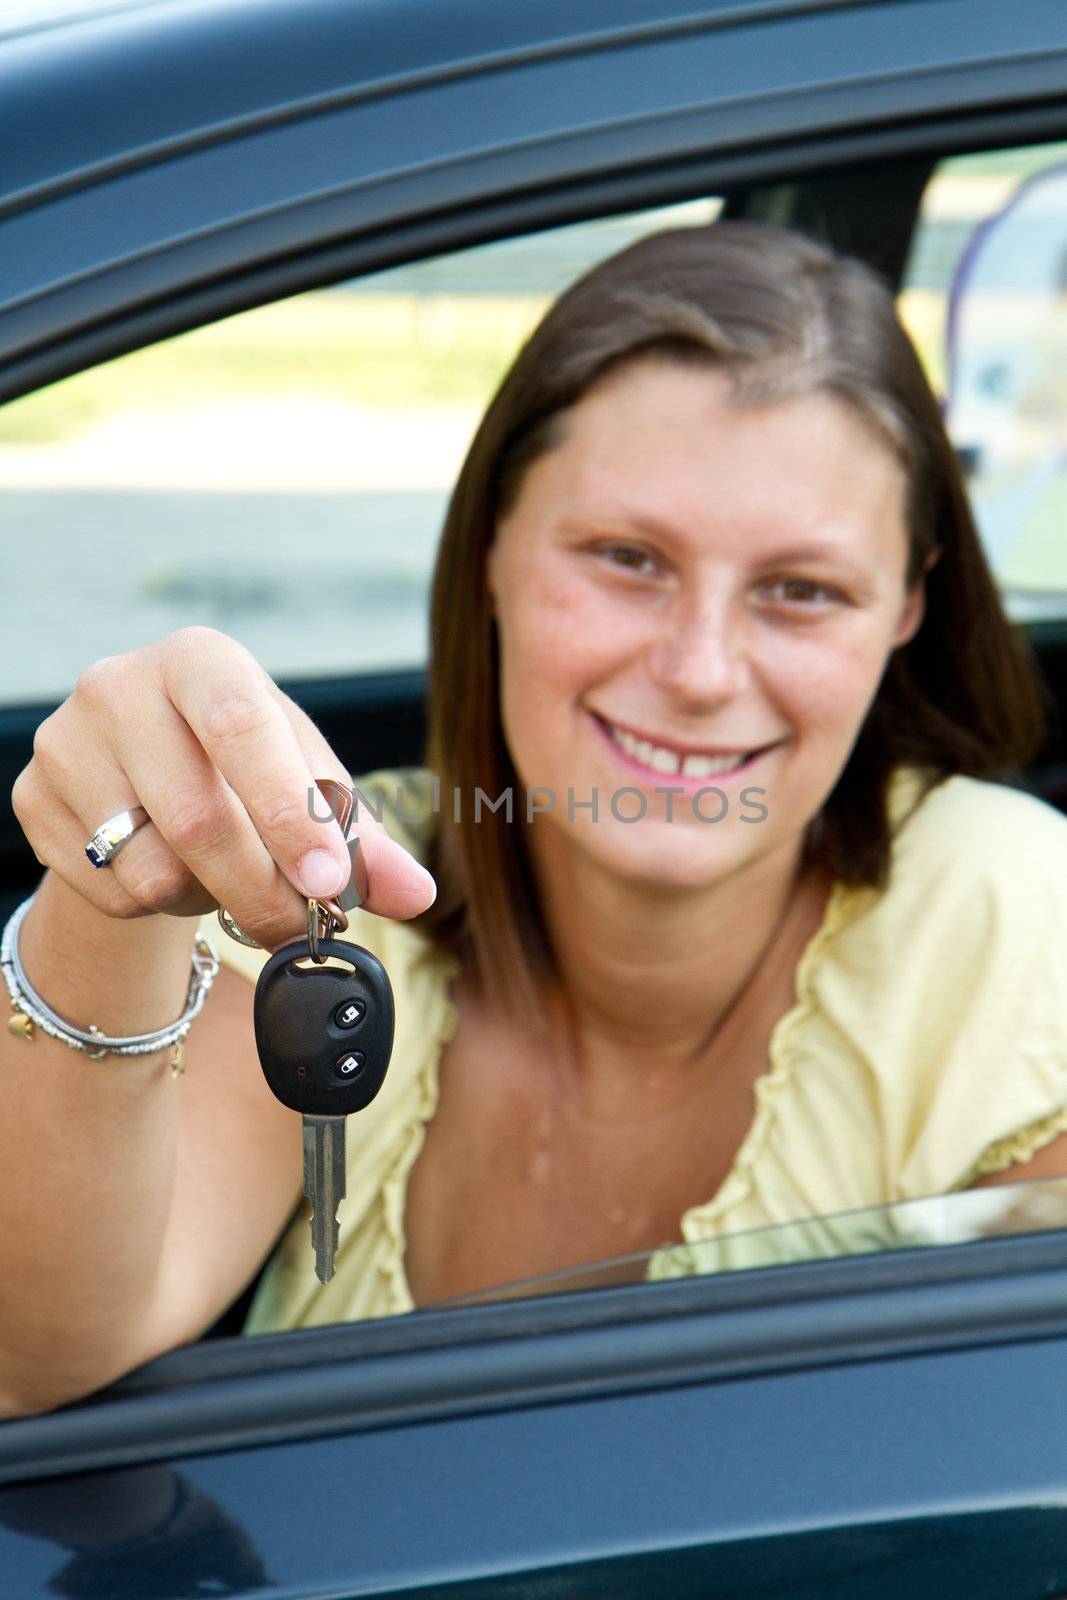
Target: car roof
[138,75]
[27,16]
[123,79]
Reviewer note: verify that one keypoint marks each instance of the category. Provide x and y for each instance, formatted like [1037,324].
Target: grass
[390,351]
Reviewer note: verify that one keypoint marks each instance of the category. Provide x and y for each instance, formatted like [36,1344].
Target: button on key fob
[324,1036]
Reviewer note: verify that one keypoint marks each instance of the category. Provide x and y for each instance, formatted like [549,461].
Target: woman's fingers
[398,885]
[52,829]
[259,741]
[225,765]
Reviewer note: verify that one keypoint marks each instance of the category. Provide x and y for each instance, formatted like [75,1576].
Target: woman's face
[695,597]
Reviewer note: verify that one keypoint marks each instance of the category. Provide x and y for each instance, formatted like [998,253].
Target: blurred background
[282,475]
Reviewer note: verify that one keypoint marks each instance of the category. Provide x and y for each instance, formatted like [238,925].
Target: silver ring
[227,922]
[111,835]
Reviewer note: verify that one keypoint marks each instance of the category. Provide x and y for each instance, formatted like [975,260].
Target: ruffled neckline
[907,791]
[844,902]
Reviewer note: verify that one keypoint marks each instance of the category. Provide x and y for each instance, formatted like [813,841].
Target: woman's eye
[630,557]
[803,591]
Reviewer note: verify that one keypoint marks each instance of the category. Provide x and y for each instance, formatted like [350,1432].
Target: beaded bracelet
[30,1010]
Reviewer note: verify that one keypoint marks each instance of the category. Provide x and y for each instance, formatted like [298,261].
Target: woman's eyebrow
[614,519]
[830,552]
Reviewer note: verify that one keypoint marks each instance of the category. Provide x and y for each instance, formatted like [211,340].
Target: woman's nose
[701,654]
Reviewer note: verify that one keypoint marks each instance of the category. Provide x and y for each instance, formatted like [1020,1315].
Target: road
[311,583]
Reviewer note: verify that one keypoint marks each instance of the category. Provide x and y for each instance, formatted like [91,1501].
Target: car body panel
[776,1482]
[820,1421]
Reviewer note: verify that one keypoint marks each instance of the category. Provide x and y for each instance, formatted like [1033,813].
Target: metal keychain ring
[334,920]
[334,917]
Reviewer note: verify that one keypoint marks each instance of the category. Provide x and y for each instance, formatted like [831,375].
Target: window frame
[632,1339]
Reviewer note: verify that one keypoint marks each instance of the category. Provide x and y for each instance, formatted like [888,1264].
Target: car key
[324,1037]
[298,1032]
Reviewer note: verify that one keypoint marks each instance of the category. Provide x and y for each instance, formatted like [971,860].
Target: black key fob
[324,1035]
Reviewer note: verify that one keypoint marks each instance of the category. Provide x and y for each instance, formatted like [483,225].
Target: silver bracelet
[30,1010]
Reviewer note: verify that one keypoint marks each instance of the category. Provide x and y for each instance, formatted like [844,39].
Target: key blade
[324,1185]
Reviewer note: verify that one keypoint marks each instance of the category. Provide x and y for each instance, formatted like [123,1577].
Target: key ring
[332,915]
[333,919]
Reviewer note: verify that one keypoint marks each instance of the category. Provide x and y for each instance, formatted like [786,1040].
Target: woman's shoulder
[949,983]
[978,874]
[976,868]
[958,816]
[999,850]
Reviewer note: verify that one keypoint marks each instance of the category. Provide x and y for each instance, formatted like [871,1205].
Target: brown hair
[782,316]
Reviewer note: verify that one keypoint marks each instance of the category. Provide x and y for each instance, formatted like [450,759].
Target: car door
[879,1424]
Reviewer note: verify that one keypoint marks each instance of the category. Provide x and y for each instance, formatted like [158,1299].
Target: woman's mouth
[691,768]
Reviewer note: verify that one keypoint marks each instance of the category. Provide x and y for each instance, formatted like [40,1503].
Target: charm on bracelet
[31,1012]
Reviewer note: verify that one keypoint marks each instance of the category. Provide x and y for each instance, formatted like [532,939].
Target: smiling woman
[753,945]
[699,656]
[741,410]
[712,539]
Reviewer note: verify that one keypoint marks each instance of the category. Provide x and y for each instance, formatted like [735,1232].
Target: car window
[280,475]
[962,1218]
[177,484]
[985,297]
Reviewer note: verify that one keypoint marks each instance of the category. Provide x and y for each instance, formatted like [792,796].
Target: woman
[756,942]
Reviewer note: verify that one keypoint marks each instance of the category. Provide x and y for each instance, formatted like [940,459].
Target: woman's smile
[672,616]
[688,768]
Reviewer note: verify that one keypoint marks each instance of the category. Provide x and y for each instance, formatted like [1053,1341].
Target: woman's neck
[651,980]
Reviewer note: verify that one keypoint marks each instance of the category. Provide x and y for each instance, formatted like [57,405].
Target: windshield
[1033,1207]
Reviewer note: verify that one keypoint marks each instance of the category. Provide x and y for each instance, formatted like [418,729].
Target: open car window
[280,475]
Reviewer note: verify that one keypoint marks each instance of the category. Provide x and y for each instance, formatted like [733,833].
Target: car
[263,261]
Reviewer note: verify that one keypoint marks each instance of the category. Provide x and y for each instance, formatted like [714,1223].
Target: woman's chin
[663,855]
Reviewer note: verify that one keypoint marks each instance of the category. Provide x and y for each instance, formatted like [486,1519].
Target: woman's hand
[193,729]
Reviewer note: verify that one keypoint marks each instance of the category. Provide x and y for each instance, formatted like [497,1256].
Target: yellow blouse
[927,1045]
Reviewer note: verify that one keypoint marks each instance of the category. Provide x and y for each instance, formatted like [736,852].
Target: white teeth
[662,760]
[705,766]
